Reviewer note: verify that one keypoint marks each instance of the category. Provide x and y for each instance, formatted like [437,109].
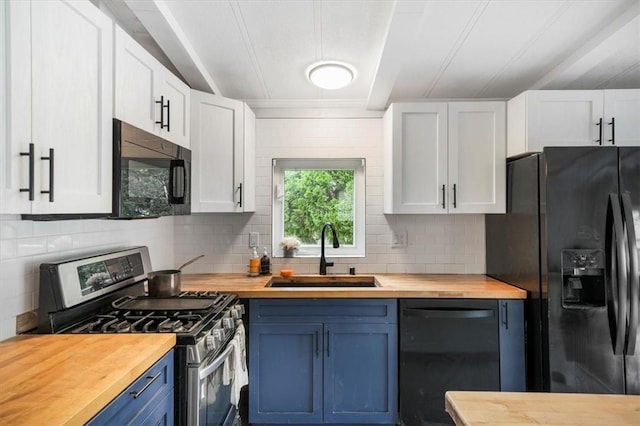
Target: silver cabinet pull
[150,380]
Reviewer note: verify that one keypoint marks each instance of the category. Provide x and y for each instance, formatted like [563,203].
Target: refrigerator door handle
[616,275]
[634,272]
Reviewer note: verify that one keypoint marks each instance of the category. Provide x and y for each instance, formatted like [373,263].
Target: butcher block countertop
[66,379]
[526,408]
[387,286]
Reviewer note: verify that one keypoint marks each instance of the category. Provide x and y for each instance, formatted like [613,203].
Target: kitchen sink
[322,281]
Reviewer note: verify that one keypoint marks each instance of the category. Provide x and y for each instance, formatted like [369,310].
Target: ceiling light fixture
[331,75]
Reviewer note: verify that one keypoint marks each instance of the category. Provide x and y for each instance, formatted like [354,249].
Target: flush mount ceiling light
[331,75]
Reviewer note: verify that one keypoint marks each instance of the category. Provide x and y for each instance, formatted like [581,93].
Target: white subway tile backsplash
[31,246]
[26,244]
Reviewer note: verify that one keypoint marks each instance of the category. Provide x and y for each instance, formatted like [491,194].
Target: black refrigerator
[570,237]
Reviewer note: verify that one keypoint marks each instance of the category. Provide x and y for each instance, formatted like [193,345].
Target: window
[311,192]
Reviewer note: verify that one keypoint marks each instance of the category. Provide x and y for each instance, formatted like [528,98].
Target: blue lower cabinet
[360,371]
[331,370]
[512,357]
[149,400]
[285,373]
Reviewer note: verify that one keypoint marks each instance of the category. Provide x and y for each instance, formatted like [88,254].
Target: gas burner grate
[142,322]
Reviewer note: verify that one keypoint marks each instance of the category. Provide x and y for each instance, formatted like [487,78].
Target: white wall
[26,244]
[437,243]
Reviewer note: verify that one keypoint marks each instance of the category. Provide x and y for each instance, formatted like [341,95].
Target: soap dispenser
[254,263]
[265,263]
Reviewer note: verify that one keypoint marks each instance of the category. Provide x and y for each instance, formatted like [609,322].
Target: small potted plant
[289,246]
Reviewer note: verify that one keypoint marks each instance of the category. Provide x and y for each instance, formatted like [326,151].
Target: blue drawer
[323,310]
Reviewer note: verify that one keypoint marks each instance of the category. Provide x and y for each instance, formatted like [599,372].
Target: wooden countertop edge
[20,407]
[479,408]
[112,392]
[450,407]
[475,286]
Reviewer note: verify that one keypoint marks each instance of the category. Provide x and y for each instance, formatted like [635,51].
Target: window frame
[358,165]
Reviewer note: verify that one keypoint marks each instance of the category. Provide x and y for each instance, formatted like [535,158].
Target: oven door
[209,398]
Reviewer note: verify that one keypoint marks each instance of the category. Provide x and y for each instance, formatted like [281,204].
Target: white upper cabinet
[415,156]
[445,157]
[622,117]
[223,153]
[477,157]
[542,118]
[61,101]
[147,95]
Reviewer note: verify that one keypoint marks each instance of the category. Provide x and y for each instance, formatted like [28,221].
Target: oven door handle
[216,363]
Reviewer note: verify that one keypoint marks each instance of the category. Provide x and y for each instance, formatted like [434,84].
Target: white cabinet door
[622,117]
[176,96]
[72,104]
[147,95]
[61,81]
[136,79]
[221,154]
[15,133]
[477,157]
[563,118]
[415,155]
[249,157]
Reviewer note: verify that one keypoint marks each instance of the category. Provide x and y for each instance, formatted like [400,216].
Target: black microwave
[151,176]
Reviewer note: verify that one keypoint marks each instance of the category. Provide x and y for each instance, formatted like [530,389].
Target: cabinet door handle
[455,197]
[177,181]
[443,197]
[239,203]
[613,131]
[459,313]
[168,116]
[328,343]
[505,315]
[150,380]
[317,343]
[31,155]
[50,159]
[599,124]
[161,102]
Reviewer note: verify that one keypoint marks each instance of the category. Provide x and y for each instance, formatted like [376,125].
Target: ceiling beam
[401,32]
[623,28]
[163,27]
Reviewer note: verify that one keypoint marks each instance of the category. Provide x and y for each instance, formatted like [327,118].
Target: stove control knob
[210,342]
[218,335]
[227,323]
[240,307]
[236,312]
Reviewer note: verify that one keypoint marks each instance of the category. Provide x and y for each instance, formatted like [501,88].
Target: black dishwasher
[455,344]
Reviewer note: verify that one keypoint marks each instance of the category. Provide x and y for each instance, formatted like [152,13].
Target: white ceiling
[258,50]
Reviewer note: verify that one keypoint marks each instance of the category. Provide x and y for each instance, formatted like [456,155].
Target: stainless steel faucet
[336,244]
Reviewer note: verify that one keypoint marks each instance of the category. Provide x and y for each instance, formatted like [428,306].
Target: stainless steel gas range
[105,293]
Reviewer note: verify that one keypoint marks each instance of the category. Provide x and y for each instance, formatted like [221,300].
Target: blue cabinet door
[285,372]
[360,373]
[512,358]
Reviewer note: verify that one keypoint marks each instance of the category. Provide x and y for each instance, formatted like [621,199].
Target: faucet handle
[327,263]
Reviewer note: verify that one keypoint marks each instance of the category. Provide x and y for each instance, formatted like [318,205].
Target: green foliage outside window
[315,197]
